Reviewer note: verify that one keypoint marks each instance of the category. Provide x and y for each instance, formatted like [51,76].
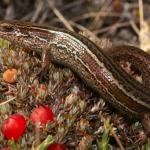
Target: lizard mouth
[4,27]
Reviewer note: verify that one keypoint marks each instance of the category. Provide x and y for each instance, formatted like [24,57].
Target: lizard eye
[6,28]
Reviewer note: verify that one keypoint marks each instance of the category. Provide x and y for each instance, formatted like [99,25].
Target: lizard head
[24,34]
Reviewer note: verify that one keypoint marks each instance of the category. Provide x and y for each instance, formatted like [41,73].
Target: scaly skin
[81,55]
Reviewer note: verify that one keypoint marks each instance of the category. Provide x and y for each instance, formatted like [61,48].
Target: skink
[94,67]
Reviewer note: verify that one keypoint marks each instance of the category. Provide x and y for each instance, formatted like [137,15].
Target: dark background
[115,21]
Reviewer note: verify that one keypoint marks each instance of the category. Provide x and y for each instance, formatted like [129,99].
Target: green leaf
[44,145]
[147,146]
[12,145]
[103,145]
[3,43]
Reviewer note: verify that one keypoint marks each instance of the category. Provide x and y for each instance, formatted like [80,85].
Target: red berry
[56,146]
[10,75]
[14,126]
[41,115]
